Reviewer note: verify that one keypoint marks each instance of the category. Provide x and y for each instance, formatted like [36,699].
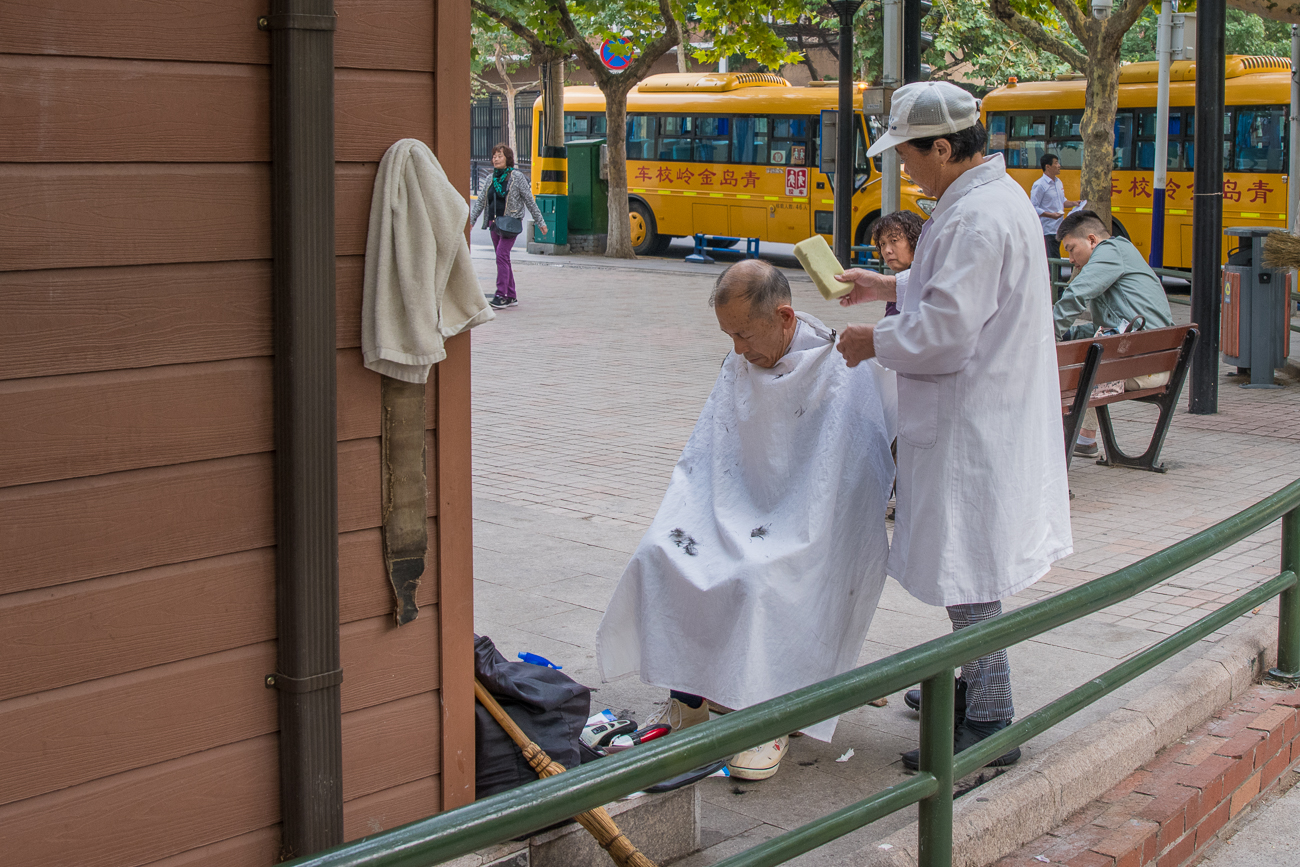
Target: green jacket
[1116,285]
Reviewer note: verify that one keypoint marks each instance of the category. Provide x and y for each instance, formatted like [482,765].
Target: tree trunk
[553,109]
[509,94]
[1097,128]
[681,47]
[619,242]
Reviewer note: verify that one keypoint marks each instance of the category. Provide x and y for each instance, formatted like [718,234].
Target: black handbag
[508,226]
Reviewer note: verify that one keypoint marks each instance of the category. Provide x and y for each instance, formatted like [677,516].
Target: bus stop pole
[846,9]
[1207,208]
[891,186]
[1293,169]
[1157,257]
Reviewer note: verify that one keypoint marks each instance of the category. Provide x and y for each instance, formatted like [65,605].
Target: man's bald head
[752,302]
[759,283]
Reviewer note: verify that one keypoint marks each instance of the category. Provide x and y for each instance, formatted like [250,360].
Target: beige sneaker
[759,763]
[678,716]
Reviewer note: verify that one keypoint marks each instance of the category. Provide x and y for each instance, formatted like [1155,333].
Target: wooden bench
[1083,364]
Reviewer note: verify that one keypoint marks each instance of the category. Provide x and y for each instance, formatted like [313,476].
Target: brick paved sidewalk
[586,392]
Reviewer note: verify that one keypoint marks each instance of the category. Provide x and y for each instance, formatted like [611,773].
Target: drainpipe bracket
[297,21]
[284,683]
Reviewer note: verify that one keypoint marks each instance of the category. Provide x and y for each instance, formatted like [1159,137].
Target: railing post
[1288,605]
[934,847]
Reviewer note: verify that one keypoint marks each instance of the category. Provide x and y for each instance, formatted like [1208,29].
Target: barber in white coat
[983,501]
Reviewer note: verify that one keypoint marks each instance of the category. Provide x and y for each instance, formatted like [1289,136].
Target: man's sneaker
[678,716]
[512,300]
[1086,451]
[499,301]
[759,763]
[912,698]
[963,738]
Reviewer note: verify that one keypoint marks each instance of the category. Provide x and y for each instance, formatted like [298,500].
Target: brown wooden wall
[137,618]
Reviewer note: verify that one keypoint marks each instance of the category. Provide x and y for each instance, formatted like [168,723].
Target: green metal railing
[545,802]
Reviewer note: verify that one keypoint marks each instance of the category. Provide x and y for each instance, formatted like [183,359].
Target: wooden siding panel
[90,629]
[383,662]
[353,185]
[391,744]
[359,482]
[384,34]
[94,110]
[94,730]
[259,848]
[391,808]
[148,814]
[225,32]
[358,397]
[87,319]
[378,34]
[373,109]
[80,215]
[58,532]
[93,423]
[349,274]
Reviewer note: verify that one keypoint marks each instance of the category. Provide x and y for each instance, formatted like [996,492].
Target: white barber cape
[765,562]
[983,505]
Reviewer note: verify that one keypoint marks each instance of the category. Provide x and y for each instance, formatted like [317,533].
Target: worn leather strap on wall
[404,491]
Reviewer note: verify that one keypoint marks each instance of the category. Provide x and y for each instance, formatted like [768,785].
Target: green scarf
[501,180]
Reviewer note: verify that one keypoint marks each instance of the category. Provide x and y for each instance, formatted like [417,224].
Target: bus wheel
[645,240]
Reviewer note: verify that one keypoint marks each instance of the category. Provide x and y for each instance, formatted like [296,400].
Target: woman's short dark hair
[507,150]
[905,223]
[1046,160]
[966,143]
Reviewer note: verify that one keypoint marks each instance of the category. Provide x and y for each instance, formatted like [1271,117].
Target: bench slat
[1112,369]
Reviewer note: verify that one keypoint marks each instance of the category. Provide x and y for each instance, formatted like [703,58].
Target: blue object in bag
[534,659]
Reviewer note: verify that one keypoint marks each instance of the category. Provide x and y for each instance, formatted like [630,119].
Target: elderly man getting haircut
[764,565]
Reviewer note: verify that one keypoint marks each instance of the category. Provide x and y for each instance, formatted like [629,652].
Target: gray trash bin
[1255,335]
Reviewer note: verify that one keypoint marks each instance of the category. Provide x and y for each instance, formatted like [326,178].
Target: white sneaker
[759,763]
[678,716]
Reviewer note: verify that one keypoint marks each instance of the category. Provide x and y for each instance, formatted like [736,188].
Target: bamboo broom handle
[597,821]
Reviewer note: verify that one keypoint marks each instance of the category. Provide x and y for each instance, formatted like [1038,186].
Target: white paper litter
[721,772]
[1043,858]
[848,755]
[886,846]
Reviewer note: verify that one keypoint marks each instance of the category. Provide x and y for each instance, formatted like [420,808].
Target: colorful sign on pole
[617,54]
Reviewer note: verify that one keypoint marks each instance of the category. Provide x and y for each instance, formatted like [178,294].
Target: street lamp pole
[846,9]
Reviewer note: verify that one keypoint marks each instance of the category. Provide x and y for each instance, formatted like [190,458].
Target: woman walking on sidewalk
[502,204]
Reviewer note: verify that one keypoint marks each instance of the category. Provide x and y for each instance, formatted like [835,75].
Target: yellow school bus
[1027,120]
[731,154]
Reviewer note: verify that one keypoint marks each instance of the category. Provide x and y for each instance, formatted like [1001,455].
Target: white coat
[763,567]
[983,505]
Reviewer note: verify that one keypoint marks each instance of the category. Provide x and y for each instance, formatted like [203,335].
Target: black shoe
[1087,451]
[964,737]
[499,301]
[912,698]
[512,300]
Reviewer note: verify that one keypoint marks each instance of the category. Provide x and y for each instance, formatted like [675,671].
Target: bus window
[749,138]
[575,126]
[640,137]
[1258,143]
[1124,140]
[789,144]
[712,139]
[675,137]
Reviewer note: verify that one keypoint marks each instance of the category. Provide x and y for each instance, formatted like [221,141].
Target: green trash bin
[588,194]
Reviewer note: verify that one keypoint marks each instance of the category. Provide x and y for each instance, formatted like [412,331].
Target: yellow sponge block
[815,255]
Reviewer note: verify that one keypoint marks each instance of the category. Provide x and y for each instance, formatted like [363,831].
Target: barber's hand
[867,286]
[857,344]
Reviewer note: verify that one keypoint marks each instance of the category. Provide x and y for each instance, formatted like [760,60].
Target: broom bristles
[1282,250]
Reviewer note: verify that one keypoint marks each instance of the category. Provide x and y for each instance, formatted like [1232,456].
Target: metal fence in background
[487,128]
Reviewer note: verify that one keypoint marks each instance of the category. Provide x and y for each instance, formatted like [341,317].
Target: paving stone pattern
[585,394]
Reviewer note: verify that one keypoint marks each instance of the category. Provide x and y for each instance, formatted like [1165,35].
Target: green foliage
[1244,33]
[965,32]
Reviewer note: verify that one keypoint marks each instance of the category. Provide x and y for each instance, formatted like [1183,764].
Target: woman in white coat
[983,500]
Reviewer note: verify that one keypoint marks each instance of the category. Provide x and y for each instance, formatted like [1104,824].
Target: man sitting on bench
[1113,282]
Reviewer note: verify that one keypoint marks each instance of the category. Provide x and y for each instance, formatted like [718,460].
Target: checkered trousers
[988,679]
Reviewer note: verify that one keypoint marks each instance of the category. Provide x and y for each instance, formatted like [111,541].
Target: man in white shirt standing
[983,501]
[1047,195]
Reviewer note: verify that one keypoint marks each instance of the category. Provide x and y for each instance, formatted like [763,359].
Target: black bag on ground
[547,704]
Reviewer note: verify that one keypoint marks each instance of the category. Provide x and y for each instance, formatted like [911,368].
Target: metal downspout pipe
[1157,258]
[307,672]
[1207,208]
